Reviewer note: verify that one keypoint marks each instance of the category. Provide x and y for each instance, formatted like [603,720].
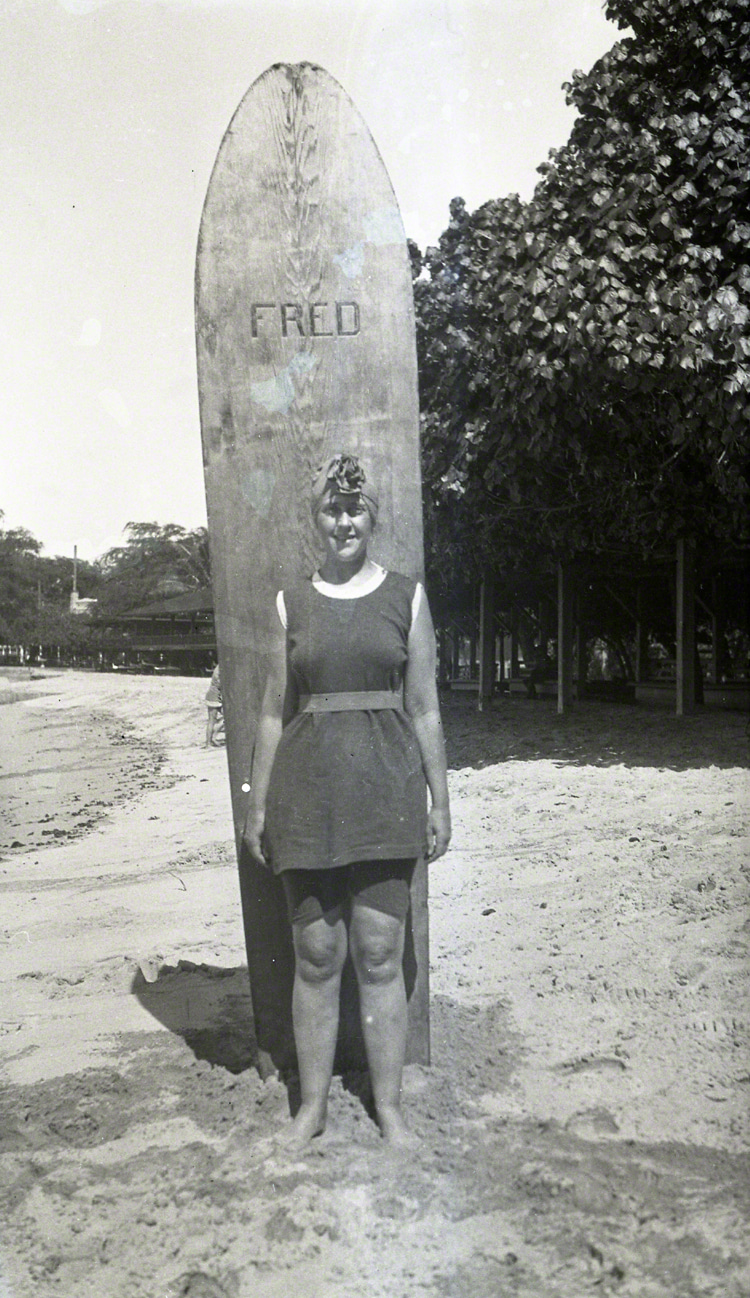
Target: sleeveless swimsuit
[347,782]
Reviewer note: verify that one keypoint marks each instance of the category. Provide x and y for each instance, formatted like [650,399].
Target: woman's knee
[320,950]
[377,945]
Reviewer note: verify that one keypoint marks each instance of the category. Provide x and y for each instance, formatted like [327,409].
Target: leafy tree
[19,551]
[156,562]
[584,357]
[35,592]
[56,574]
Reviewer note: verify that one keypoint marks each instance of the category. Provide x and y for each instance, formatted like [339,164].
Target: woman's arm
[421,703]
[266,742]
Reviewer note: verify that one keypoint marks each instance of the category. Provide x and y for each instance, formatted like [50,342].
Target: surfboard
[305,346]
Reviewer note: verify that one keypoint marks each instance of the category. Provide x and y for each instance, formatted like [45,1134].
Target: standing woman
[349,731]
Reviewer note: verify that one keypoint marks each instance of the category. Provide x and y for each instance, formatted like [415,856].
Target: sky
[112,114]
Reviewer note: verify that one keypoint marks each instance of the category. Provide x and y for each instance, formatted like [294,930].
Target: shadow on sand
[210,1007]
[592,734]
[206,1005]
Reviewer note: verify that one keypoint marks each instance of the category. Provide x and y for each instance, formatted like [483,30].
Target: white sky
[112,113]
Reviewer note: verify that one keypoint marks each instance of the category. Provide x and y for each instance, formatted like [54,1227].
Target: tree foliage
[35,591]
[585,357]
[19,551]
[156,562]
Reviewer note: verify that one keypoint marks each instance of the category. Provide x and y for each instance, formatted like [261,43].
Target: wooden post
[564,637]
[442,645]
[486,639]
[641,639]
[581,661]
[456,648]
[717,628]
[514,665]
[685,627]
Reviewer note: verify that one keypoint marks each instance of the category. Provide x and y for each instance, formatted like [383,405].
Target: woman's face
[345,526]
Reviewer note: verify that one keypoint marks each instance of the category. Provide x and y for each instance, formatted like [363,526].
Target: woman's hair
[344,474]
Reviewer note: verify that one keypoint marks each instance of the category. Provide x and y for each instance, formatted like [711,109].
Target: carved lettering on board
[294,320]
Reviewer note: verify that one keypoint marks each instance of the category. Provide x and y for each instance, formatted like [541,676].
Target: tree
[19,552]
[56,573]
[156,562]
[35,592]
[584,357]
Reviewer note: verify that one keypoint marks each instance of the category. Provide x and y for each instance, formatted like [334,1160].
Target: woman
[215,736]
[349,730]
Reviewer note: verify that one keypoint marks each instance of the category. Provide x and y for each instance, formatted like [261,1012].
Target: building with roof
[170,635]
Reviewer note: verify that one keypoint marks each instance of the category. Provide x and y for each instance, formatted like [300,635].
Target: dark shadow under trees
[592,734]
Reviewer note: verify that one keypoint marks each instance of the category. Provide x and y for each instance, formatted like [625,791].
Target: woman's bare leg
[320,951]
[377,946]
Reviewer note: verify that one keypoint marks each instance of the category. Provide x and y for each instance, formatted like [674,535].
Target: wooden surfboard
[306,345]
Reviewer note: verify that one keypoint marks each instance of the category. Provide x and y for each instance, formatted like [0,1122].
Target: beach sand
[584,1123]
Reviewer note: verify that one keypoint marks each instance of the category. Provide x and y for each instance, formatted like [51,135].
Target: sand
[584,1125]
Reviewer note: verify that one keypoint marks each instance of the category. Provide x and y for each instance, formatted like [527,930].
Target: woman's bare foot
[309,1122]
[394,1130]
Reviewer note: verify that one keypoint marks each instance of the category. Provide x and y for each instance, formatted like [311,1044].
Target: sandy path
[585,1120]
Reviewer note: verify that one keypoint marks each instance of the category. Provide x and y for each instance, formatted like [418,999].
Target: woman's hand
[421,703]
[267,738]
[253,835]
[438,832]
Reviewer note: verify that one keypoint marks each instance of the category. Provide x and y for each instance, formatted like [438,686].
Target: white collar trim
[345,592]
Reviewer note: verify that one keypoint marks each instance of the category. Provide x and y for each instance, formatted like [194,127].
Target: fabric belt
[352,701]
